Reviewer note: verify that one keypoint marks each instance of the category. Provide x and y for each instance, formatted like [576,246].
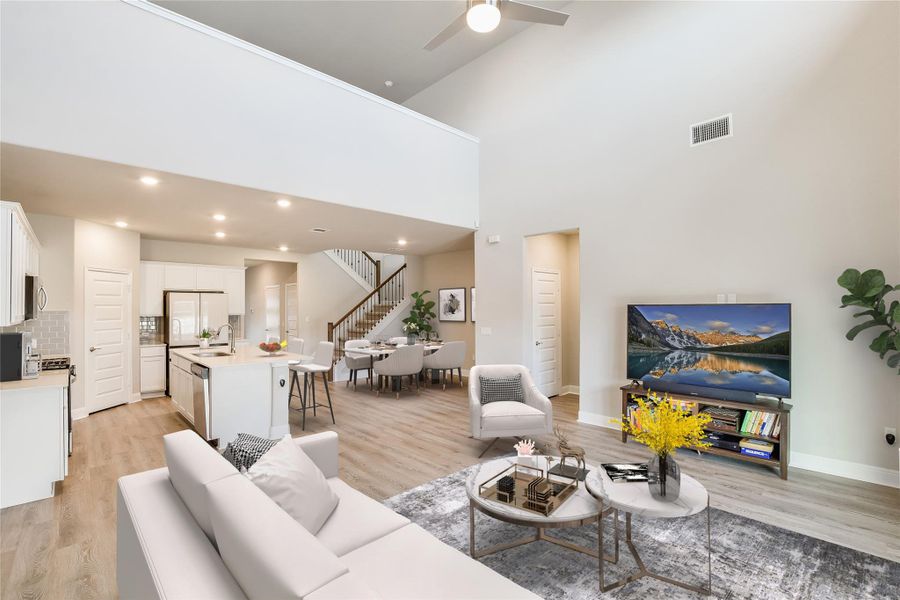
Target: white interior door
[290,310]
[107,338]
[273,311]
[546,330]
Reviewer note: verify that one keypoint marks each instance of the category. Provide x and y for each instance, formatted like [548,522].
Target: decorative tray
[529,488]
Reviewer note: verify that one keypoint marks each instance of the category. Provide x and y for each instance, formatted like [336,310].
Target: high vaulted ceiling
[364,43]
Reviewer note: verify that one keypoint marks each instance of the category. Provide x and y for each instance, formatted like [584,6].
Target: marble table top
[580,505]
[635,498]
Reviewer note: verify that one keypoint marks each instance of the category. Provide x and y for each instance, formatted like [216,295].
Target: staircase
[360,320]
[362,263]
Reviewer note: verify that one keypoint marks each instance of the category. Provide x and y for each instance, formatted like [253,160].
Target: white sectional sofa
[198,529]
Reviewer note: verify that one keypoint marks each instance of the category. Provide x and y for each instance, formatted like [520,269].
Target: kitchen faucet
[230,337]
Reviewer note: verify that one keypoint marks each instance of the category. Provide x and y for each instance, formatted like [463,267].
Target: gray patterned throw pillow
[246,449]
[502,389]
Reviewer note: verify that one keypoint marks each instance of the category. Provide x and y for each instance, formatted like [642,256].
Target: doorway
[273,311]
[552,314]
[290,311]
[107,338]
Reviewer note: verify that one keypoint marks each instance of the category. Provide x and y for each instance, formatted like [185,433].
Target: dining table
[381,350]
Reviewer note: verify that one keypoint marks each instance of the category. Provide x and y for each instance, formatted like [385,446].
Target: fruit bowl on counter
[272,348]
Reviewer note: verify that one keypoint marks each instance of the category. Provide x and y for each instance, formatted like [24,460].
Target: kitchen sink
[211,353]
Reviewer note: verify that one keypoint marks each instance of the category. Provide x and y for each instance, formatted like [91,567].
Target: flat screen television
[728,351]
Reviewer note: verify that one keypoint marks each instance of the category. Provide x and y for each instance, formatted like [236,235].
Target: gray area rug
[749,559]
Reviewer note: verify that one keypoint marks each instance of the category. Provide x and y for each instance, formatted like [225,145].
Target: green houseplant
[869,290]
[420,315]
[205,336]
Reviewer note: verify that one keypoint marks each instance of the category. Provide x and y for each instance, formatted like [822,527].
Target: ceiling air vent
[713,129]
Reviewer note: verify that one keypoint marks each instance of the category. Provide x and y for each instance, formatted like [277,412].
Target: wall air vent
[713,129]
[319,230]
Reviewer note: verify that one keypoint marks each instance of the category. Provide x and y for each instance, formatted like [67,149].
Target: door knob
[537,343]
[92,348]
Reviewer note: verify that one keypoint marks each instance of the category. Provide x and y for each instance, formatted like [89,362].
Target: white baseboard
[845,468]
[135,397]
[810,462]
[570,389]
[79,413]
[279,432]
[598,419]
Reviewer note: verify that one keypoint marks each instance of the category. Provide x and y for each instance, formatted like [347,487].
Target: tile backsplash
[50,331]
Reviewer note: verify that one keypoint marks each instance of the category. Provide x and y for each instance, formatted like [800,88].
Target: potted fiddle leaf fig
[420,315]
[869,291]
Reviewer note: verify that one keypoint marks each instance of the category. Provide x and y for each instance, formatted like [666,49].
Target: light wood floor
[64,547]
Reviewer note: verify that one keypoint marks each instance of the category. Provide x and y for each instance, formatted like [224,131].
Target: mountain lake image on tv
[739,347]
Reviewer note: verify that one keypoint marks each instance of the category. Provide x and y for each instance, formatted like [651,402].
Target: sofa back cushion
[269,553]
[192,464]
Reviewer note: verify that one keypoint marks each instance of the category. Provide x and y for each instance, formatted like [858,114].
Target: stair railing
[368,312]
[363,263]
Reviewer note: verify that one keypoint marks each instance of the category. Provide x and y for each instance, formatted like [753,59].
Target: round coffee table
[635,498]
[577,510]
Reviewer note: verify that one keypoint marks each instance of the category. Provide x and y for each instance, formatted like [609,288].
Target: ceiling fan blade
[517,11]
[457,25]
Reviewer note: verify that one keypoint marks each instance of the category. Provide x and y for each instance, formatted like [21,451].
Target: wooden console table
[780,453]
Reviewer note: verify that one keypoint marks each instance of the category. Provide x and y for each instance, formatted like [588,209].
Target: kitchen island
[248,391]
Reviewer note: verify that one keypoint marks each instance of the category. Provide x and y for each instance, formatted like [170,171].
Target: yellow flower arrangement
[664,427]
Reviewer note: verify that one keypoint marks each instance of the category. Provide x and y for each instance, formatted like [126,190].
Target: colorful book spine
[756,453]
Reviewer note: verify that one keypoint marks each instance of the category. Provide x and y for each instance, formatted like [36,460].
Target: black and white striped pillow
[502,389]
[246,449]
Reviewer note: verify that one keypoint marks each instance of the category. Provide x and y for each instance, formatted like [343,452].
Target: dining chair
[447,358]
[404,361]
[321,363]
[357,363]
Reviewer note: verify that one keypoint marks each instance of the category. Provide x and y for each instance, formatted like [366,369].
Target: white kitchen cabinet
[19,255]
[33,440]
[181,387]
[181,277]
[234,287]
[210,278]
[153,283]
[153,369]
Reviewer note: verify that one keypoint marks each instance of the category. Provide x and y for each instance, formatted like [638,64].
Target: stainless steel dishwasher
[202,409]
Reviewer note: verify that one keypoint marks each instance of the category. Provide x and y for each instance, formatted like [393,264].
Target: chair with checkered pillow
[504,402]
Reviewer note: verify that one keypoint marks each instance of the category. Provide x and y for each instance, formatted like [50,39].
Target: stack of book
[633,415]
[758,448]
[723,419]
[761,423]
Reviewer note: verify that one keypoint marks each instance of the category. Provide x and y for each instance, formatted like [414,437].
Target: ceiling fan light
[483,17]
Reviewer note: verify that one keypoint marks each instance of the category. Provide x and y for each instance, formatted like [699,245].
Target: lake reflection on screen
[764,375]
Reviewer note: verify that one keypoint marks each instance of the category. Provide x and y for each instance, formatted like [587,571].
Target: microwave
[18,359]
[35,297]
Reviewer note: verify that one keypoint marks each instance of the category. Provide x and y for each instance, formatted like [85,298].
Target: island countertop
[247,355]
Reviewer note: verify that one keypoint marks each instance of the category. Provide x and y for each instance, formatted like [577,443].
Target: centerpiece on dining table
[664,427]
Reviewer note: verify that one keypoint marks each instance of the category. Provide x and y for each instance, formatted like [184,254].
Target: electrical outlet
[890,435]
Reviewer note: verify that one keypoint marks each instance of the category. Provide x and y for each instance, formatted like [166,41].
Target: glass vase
[411,339]
[663,477]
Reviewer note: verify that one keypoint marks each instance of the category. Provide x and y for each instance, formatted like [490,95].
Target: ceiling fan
[484,16]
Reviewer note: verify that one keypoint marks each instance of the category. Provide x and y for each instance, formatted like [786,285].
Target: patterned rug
[750,560]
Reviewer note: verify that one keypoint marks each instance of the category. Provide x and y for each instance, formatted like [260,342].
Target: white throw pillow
[290,478]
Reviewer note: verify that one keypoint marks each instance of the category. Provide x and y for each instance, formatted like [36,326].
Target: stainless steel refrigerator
[188,313]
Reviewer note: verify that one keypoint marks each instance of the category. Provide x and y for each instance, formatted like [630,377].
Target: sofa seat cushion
[356,521]
[192,464]
[160,549]
[345,587]
[270,554]
[412,563]
[511,416]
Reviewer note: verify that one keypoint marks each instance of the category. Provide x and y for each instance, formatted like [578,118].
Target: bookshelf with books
[757,433]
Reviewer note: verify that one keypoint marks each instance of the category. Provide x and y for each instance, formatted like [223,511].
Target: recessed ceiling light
[319,230]
[149,180]
[283,248]
[283,202]
[401,242]
[389,83]
[219,217]
[220,234]
[121,224]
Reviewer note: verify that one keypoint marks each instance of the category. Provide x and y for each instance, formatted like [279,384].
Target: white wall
[208,254]
[587,126]
[137,88]
[106,247]
[57,237]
